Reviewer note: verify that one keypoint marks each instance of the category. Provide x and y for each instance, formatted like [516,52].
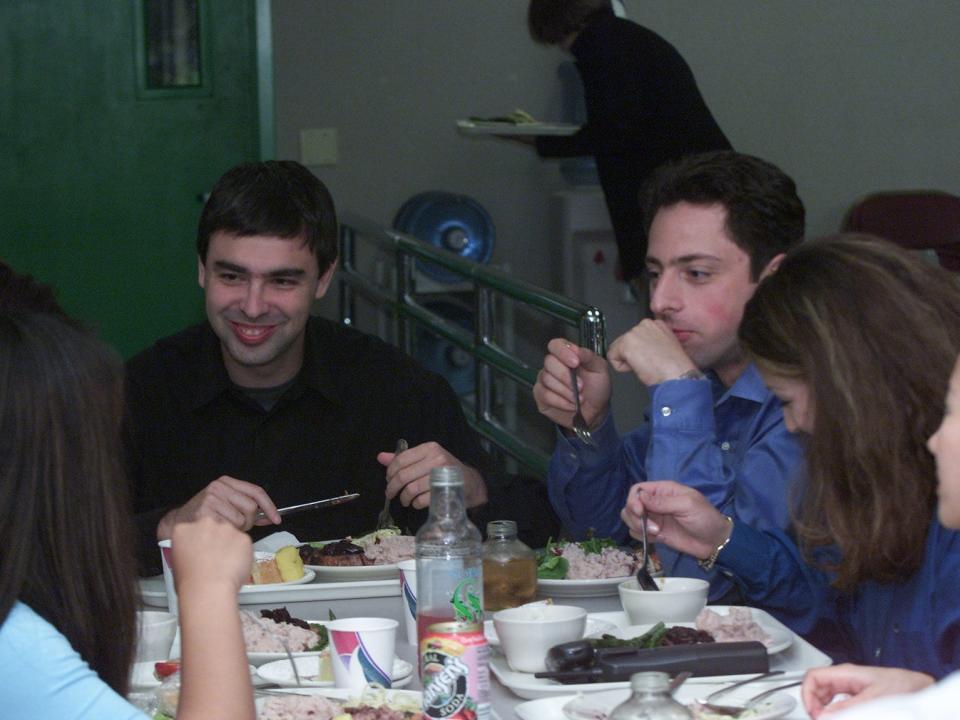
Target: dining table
[382,598]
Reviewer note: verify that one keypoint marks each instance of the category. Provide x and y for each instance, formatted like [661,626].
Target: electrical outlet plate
[318,146]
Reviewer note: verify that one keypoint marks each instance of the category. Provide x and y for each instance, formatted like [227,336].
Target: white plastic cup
[155,633]
[408,597]
[166,554]
[362,651]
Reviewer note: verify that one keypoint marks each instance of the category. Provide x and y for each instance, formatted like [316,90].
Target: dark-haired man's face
[259,291]
[699,284]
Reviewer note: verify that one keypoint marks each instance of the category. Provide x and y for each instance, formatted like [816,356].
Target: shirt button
[724,446]
[665,411]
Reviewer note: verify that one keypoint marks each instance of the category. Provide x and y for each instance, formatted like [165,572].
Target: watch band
[693,374]
[708,563]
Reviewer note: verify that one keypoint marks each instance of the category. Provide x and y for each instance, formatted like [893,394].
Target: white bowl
[527,632]
[679,600]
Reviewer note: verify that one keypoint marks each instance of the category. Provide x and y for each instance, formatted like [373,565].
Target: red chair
[914,219]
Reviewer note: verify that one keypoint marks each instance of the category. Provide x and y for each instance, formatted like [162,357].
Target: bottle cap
[446,476]
[501,529]
[650,681]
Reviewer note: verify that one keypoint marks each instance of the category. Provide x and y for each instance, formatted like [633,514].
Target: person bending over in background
[264,405]
[857,338]
[719,222]
[642,103]
[68,593]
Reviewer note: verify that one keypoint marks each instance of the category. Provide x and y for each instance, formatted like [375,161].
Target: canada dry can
[454,658]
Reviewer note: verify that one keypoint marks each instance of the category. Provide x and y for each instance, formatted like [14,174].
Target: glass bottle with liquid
[449,564]
[650,700]
[509,568]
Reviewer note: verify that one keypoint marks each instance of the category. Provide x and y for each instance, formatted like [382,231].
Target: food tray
[154,592]
[794,661]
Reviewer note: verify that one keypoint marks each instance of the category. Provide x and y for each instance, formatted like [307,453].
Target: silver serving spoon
[580,427]
[644,578]
[384,519]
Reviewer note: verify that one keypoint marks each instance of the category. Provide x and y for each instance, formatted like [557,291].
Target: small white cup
[362,651]
[408,597]
[155,632]
[166,554]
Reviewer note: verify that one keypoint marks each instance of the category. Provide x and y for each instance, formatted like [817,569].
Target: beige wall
[848,96]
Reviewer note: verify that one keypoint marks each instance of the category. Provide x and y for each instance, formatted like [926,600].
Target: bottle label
[466,603]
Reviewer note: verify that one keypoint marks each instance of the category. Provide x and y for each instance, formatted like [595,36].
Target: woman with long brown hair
[68,593]
[857,338]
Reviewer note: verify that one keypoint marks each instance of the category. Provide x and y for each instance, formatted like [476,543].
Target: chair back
[914,219]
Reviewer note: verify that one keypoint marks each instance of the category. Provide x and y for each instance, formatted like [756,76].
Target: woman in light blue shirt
[68,592]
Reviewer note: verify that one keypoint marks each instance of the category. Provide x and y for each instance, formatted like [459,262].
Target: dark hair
[552,21]
[874,331]
[279,198]
[22,293]
[765,217]
[66,536]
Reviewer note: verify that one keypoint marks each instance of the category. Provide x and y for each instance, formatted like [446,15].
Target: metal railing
[401,302]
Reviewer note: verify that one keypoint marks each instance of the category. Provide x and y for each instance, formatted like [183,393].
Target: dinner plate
[412,698]
[337,573]
[593,627]
[602,587]
[308,577]
[597,706]
[259,658]
[280,673]
[142,677]
[780,637]
[491,127]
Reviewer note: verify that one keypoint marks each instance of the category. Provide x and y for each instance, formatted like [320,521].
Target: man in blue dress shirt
[718,223]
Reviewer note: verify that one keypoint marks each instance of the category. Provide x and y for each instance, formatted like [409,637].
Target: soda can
[455,671]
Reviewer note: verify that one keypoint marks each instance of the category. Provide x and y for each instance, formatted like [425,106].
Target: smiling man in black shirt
[264,405]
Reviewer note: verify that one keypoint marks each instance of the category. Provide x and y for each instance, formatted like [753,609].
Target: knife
[327,502]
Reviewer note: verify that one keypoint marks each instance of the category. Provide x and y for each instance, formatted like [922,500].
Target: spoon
[644,579]
[580,427]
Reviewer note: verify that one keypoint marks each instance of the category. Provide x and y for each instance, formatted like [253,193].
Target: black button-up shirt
[188,424]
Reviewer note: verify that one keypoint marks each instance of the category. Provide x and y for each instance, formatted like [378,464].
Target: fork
[384,519]
[580,427]
[644,578]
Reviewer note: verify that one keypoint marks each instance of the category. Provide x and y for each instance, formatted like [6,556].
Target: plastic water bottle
[449,559]
[650,700]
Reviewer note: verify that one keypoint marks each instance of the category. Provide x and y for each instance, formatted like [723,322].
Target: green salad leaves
[552,566]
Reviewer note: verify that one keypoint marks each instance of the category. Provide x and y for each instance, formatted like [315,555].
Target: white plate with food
[496,127]
[296,641]
[347,573]
[597,706]
[778,637]
[383,549]
[143,677]
[299,700]
[594,626]
[602,587]
[308,577]
[280,673]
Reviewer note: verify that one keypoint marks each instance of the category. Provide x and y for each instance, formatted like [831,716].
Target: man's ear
[771,267]
[201,273]
[325,280]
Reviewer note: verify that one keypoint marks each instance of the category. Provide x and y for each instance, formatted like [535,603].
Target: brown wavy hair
[874,330]
[66,535]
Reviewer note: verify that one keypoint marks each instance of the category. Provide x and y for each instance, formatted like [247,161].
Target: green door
[115,117]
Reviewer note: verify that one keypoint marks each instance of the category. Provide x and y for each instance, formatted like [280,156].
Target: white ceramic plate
[259,658]
[142,677]
[336,573]
[580,588]
[280,673]
[593,627]
[484,127]
[409,696]
[597,706]
[308,577]
[780,637]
